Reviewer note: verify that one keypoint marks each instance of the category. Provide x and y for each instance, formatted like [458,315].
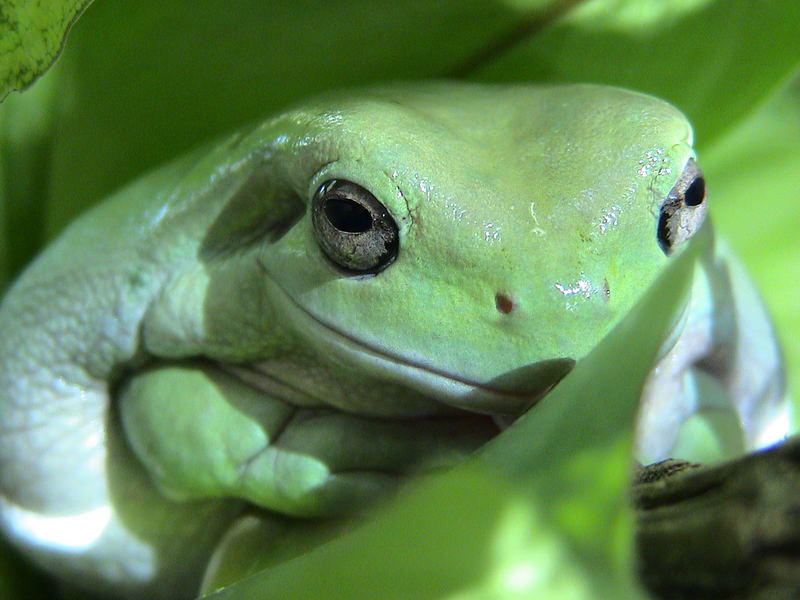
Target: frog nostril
[504,303]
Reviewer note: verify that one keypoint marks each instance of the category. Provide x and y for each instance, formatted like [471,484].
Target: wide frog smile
[442,385]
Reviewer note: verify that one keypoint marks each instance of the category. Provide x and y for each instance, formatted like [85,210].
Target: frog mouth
[508,395]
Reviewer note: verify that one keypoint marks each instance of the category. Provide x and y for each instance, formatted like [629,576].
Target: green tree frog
[366,285]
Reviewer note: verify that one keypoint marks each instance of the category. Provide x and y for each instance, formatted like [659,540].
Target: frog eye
[684,210]
[353,228]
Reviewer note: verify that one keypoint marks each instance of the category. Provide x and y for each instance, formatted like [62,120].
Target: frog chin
[506,395]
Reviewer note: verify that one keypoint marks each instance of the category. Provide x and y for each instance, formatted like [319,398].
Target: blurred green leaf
[5,259]
[32,35]
[20,581]
[713,59]
[26,128]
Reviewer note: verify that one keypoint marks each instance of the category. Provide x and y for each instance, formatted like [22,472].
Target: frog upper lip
[379,352]
[416,364]
[527,396]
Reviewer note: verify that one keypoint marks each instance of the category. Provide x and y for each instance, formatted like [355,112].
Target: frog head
[473,246]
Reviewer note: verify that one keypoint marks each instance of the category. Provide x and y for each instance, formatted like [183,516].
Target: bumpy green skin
[247,366]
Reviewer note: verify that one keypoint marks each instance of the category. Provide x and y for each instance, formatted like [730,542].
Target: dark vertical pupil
[696,192]
[347,215]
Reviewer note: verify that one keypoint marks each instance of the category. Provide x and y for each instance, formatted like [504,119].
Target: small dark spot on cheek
[504,303]
[606,290]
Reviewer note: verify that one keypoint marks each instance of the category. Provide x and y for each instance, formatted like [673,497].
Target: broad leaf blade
[25,145]
[32,35]
[714,59]
[18,580]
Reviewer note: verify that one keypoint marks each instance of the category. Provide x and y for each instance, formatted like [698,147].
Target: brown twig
[724,532]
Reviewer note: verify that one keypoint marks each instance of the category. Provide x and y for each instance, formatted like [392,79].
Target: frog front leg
[202,432]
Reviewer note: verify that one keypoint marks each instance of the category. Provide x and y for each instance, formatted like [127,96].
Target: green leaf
[19,580]
[712,59]
[32,35]
[26,131]
[5,259]
[542,512]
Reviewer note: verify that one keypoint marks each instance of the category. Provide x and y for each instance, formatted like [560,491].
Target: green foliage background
[140,82]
